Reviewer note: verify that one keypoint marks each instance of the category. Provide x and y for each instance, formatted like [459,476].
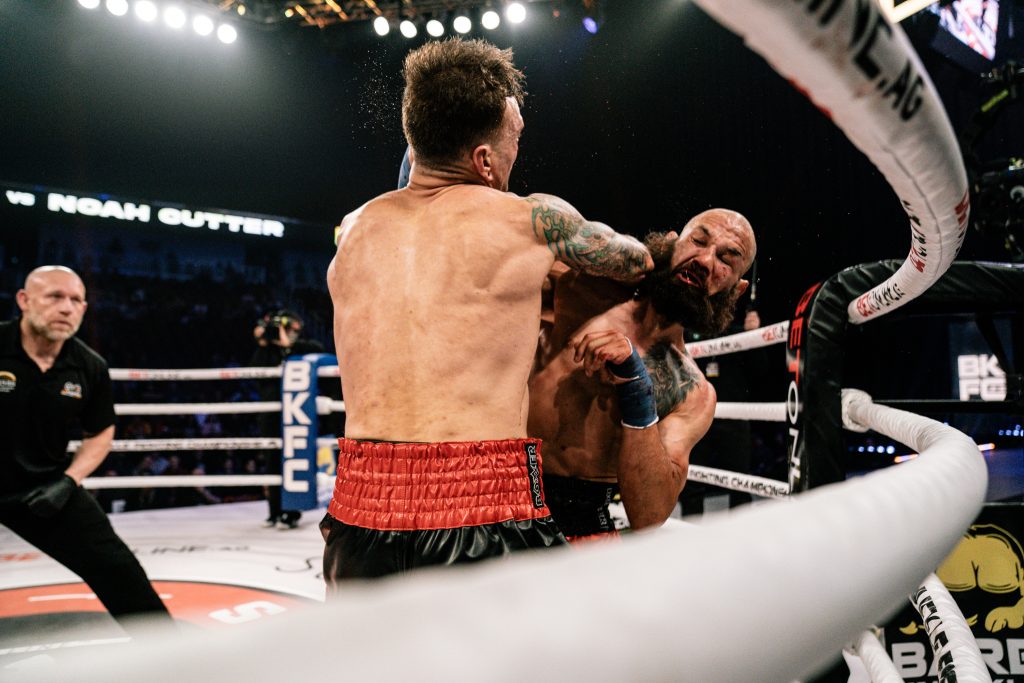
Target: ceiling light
[515,12]
[202,24]
[118,8]
[490,19]
[435,28]
[174,17]
[226,33]
[381,26]
[462,24]
[145,10]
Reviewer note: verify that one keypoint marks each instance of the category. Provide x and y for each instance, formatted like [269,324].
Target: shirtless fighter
[437,298]
[619,403]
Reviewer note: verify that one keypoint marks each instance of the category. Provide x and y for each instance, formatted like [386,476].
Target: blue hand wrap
[405,170]
[636,397]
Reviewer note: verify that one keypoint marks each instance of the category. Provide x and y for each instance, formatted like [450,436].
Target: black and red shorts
[399,506]
[580,507]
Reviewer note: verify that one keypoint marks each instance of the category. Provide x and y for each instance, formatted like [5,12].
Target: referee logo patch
[7,382]
[71,390]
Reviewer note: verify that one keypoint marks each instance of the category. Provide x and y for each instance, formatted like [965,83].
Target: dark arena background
[194,181]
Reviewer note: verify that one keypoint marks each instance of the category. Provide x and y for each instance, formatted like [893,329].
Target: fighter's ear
[22,298]
[741,287]
[481,158]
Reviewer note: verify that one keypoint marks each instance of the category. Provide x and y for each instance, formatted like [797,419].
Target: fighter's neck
[645,326]
[438,177]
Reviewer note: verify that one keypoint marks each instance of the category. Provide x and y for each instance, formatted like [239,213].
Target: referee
[50,385]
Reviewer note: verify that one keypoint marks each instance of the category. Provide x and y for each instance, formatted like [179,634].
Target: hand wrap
[636,397]
[46,500]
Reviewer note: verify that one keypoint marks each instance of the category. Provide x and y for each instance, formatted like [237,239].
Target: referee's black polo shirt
[40,412]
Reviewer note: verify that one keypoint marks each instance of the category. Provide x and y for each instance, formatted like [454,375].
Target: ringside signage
[299,429]
[154,213]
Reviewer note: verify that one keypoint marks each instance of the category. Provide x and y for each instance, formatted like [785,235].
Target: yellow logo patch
[7,382]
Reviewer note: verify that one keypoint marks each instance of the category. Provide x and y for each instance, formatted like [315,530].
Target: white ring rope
[895,525]
[863,72]
[737,481]
[741,341]
[956,649]
[167,375]
[763,412]
[876,660]
[225,443]
[165,481]
[324,406]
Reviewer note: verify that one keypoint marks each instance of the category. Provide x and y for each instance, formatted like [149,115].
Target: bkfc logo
[71,390]
[7,382]
[981,375]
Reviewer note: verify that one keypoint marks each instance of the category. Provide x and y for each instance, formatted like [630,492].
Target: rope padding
[768,335]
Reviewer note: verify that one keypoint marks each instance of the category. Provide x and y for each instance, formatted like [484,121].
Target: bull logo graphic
[985,574]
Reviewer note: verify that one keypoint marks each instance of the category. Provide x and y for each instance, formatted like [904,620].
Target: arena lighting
[145,10]
[408,28]
[462,24]
[118,8]
[174,17]
[435,28]
[226,33]
[490,20]
[89,4]
[381,26]
[202,24]
[241,10]
[590,24]
[515,12]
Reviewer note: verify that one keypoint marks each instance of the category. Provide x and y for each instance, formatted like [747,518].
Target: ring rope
[227,443]
[864,74]
[166,375]
[763,412]
[738,481]
[876,660]
[161,481]
[955,647]
[906,519]
[324,406]
[741,341]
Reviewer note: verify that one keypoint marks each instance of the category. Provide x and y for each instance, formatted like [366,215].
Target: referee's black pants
[81,538]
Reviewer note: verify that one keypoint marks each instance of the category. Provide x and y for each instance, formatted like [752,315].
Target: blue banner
[299,429]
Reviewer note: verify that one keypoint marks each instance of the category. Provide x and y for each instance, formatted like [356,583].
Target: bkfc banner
[985,575]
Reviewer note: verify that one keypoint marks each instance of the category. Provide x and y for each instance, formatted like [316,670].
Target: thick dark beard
[690,306]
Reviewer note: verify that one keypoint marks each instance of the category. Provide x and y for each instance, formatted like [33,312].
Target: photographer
[278,337]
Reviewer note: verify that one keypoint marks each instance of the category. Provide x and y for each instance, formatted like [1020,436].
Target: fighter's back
[437,306]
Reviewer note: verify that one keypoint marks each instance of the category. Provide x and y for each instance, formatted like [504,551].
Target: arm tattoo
[592,247]
[673,379]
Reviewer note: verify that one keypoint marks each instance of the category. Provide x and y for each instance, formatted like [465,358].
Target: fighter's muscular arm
[587,245]
[653,463]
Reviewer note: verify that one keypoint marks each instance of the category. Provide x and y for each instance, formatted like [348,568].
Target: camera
[272,323]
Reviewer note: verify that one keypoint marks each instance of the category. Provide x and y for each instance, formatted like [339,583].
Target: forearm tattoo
[672,376]
[592,247]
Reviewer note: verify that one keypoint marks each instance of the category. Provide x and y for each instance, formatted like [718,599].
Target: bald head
[44,274]
[52,304]
[730,224]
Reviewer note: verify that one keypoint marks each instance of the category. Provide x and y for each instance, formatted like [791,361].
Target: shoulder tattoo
[673,378]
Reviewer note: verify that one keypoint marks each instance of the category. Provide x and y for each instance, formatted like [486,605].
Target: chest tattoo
[673,378]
